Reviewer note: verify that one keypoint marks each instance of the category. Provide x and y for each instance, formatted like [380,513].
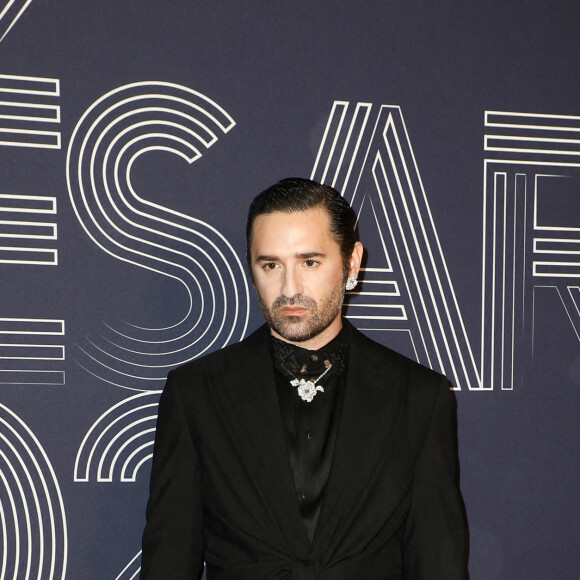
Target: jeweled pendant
[306,389]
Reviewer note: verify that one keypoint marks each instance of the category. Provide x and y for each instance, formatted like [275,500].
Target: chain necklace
[308,389]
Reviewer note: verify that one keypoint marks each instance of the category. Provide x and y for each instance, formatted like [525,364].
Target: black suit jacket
[222,488]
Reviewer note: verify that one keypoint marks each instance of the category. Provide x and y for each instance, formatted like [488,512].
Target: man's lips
[293,310]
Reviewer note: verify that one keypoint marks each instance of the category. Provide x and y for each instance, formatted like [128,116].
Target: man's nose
[292,283]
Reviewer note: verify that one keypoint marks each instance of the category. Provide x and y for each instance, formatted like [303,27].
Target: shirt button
[307,435]
[314,357]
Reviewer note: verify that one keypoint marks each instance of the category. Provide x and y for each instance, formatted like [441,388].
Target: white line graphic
[134,120]
[531,232]
[119,442]
[32,512]
[132,569]
[11,12]
[30,351]
[382,181]
[28,112]
[23,221]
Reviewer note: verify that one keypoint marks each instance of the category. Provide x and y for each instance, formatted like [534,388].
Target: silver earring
[351,282]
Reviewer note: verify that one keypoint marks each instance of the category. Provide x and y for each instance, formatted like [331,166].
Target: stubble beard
[307,326]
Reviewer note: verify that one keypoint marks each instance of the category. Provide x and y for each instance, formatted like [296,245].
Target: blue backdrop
[133,136]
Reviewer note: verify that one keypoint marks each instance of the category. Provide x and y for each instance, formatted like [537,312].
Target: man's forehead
[289,219]
[304,231]
[315,220]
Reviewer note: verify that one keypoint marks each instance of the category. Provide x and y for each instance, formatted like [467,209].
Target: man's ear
[355,259]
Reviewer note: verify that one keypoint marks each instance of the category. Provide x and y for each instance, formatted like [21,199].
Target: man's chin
[293,335]
[294,329]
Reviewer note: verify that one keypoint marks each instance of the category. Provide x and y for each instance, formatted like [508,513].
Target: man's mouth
[293,310]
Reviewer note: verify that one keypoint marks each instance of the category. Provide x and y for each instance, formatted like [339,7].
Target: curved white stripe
[105,380]
[16,527]
[28,528]
[42,482]
[137,467]
[4,531]
[101,129]
[133,376]
[120,434]
[99,429]
[148,445]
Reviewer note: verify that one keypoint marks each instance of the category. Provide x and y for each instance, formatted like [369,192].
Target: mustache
[298,300]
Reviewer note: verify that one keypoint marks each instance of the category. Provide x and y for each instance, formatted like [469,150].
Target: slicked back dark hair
[295,194]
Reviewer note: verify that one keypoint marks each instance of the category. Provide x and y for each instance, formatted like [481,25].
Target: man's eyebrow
[264,258]
[301,255]
[307,255]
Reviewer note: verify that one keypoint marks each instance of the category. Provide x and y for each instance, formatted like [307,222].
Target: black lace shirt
[310,427]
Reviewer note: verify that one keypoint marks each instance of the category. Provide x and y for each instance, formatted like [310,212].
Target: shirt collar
[295,361]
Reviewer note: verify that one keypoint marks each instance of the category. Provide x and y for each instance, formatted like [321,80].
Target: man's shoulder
[380,354]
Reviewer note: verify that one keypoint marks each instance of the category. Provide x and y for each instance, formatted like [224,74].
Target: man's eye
[269,266]
[310,263]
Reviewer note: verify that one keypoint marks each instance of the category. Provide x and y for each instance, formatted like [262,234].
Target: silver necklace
[308,389]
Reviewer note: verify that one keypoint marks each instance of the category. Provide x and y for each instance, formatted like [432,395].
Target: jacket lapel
[253,404]
[370,410]
[369,414]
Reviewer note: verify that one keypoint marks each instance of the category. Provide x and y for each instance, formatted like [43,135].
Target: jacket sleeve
[172,546]
[436,537]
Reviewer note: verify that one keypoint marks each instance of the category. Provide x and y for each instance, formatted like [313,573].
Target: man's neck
[318,341]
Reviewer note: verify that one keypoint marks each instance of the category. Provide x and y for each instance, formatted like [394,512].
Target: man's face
[299,275]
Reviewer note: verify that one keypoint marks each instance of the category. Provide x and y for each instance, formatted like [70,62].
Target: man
[307,450]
